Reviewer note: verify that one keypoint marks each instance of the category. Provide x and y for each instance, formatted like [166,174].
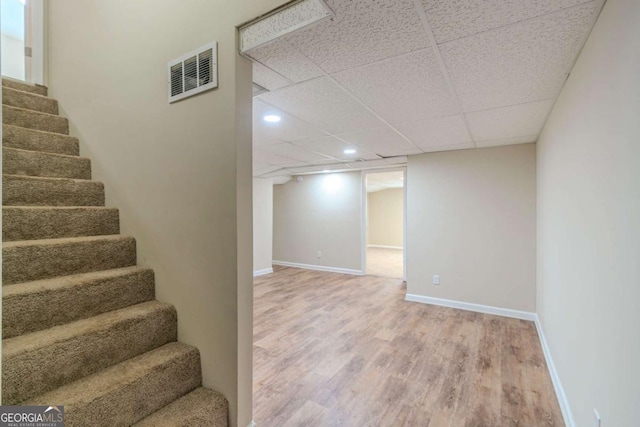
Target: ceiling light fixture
[349,151]
[272,118]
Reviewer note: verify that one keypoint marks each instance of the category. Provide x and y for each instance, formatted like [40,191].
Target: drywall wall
[180,173]
[385,217]
[321,213]
[471,220]
[589,224]
[262,225]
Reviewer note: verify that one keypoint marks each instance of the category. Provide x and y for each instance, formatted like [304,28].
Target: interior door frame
[364,220]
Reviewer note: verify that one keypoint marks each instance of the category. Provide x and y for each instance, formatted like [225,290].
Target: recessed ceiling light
[349,151]
[272,118]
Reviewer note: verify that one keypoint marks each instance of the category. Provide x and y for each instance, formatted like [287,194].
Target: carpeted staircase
[80,324]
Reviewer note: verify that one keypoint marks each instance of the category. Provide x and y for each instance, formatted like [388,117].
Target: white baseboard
[385,247]
[487,309]
[262,272]
[555,379]
[319,268]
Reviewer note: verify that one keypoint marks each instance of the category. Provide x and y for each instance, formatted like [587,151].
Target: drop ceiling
[394,78]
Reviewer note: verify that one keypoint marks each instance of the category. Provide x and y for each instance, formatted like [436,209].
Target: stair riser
[34,120]
[20,223]
[24,263]
[138,398]
[33,163]
[30,139]
[29,101]
[35,371]
[18,191]
[63,300]
[200,408]
[25,87]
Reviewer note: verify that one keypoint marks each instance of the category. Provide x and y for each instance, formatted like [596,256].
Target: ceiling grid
[402,77]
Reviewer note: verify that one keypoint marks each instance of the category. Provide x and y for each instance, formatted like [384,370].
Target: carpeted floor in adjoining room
[385,262]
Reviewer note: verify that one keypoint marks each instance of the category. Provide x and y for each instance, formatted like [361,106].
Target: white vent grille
[193,73]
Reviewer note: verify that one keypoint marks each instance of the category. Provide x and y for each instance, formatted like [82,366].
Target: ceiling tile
[449,147]
[402,89]
[381,141]
[257,165]
[334,147]
[452,19]
[297,153]
[257,89]
[396,160]
[362,31]
[283,58]
[267,78]
[288,129]
[320,168]
[508,141]
[262,156]
[324,104]
[263,169]
[260,140]
[509,122]
[278,173]
[516,64]
[449,130]
[366,164]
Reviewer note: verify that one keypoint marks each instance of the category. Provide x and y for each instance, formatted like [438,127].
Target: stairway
[80,324]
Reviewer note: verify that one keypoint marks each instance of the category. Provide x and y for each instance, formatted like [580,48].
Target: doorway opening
[384,223]
[22,31]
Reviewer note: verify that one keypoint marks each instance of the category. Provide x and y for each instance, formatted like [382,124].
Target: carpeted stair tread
[38,140]
[35,363]
[29,101]
[23,86]
[200,408]
[41,304]
[44,222]
[28,260]
[35,163]
[129,391]
[18,190]
[34,120]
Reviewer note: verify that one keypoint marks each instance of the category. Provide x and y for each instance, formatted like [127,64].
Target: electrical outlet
[596,418]
[319,254]
[436,279]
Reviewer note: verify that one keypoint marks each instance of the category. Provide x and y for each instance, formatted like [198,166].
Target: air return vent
[193,73]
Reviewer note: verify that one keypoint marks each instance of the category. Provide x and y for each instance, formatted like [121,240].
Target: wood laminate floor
[340,350]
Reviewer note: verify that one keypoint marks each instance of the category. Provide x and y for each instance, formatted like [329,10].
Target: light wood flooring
[340,350]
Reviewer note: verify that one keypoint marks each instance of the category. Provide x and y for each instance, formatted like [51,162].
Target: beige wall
[471,220]
[321,213]
[589,224]
[180,173]
[385,217]
[262,224]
